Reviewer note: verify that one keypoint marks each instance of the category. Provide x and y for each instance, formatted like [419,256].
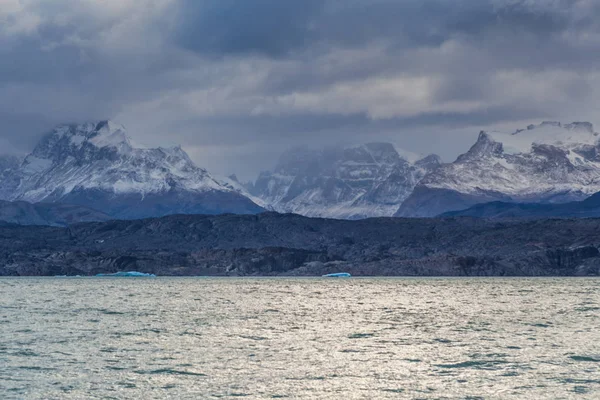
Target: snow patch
[549,132]
[109,134]
[521,174]
[64,168]
[33,165]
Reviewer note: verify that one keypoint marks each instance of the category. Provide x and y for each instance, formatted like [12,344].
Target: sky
[236,82]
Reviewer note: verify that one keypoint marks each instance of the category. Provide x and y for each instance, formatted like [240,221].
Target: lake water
[199,338]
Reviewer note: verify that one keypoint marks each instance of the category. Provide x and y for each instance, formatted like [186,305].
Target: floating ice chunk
[129,274]
[338,275]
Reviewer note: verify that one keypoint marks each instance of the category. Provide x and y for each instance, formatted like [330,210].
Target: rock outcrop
[276,244]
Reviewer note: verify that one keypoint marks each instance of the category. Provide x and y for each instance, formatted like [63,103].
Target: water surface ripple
[196,338]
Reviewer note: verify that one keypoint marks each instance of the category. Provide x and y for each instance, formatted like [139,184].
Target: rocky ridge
[277,244]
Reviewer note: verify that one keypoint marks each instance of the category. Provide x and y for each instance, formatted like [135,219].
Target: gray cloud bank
[236,82]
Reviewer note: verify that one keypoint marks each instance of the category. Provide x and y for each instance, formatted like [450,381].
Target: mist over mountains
[107,204]
[96,166]
[371,180]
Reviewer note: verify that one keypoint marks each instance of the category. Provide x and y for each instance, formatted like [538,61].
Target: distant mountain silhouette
[587,208]
[24,213]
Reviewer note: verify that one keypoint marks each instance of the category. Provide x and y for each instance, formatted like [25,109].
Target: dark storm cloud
[492,35]
[277,28]
[271,27]
[241,75]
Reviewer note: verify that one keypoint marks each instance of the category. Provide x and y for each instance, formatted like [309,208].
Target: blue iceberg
[338,275]
[129,274]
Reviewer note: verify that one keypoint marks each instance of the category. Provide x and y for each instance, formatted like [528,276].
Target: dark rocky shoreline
[273,244]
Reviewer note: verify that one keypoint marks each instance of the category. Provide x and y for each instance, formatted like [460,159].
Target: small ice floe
[338,275]
[129,274]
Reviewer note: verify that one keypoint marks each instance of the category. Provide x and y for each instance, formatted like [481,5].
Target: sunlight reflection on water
[299,338]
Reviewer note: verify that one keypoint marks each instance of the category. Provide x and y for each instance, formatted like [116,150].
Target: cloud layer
[241,81]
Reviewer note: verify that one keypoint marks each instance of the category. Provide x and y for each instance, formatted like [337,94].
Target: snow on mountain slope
[370,180]
[96,165]
[566,136]
[550,162]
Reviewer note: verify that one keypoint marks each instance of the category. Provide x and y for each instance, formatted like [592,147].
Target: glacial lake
[203,338]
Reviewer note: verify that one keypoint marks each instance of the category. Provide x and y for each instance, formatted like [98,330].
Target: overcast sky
[238,81]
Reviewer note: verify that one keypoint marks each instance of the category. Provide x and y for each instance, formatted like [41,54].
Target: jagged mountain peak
[429,161]
[485,146]
[357,181]
[82,140]
[100,134]
[548,162]
[103,140]
[95,164]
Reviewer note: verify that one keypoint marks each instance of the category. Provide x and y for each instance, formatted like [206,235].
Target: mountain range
[97,167]
[370,180]
[588,208]
[546,163]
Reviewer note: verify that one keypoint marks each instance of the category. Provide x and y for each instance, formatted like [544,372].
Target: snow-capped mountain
[371,180]
[96,165]
[546,163]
